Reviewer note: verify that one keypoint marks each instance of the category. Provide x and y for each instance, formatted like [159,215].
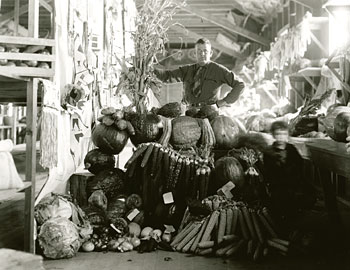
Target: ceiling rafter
[226,25]
[214,43]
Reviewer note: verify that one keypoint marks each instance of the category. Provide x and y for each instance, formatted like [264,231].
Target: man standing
[203,80]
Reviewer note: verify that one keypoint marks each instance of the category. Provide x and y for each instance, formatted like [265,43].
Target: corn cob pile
[163,169]
[231,228]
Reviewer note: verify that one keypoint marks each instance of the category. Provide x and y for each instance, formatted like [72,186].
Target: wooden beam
[215,44]
[31,130]
[16,17]
[10,15]
[226,25]
[22,10]
[27,56]
[310,81]
[46,5]
[33,18]
[27,41]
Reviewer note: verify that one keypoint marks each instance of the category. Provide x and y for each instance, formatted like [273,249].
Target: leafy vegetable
[51,206]
[59,238]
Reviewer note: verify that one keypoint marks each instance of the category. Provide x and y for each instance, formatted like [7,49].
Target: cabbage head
[52,205]
[59,238]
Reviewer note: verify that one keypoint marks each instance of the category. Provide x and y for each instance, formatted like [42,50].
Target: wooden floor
[161,260]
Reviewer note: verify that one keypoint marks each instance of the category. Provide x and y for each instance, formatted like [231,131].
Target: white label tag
[169,228]
[227,194]
[121,199]
[228,186]
[168,198]
[133,214]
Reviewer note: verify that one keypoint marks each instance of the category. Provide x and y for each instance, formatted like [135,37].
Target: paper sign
[168,198]
[133,214]
[226,193]
[225,190]
[228,186]
[169,229]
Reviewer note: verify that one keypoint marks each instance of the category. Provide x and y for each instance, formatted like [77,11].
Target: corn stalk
[152,23]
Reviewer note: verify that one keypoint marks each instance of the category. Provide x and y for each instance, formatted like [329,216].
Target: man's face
[203,53]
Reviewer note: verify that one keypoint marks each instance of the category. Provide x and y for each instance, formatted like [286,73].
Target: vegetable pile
[155,169]
[232,228]
[30,49]
[62,226]
[113,132]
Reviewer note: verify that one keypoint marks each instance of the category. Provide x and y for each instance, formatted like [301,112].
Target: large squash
[96,161]
[226,131]
[111,182]
[342,126]
[227,169]
[329,121]
[147,127]
[109,139]
[185,132]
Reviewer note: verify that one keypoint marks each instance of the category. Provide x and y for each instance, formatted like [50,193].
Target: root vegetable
[211,224]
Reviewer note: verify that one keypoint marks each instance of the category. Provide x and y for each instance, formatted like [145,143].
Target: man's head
[203,51]
[280,132]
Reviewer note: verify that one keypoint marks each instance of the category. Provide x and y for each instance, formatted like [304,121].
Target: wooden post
[32,98]
[16,17]
[33,18]
[31,130]
[14,125]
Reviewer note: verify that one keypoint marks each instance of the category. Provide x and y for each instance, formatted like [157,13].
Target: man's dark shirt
[283,167]
[213,77]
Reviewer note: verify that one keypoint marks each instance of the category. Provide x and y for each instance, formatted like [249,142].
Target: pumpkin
[341,126]
[111,182]
[185,132]
[96,161]
[116,208]
[226,131]
[147,127]
[109,139]
[170,110]
[328,121]
[207,111]
[227,169]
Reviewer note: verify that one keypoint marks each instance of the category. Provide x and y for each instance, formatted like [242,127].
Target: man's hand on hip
[221,103]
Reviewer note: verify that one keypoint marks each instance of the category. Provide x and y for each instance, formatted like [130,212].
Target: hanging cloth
[49,125]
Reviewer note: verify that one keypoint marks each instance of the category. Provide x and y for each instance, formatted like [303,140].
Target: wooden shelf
[8,127]
[19,72]
[307,72]
[13,72]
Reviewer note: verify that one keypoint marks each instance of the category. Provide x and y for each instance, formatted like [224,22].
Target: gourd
[96,161]
[226,131]
[147,127]
[109,139]
[329,121]
[342,126]
[185,133]
[170,110]
[228,169]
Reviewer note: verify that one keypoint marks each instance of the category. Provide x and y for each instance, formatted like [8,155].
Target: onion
[88,246]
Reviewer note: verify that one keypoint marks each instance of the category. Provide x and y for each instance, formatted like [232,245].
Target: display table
[329,157]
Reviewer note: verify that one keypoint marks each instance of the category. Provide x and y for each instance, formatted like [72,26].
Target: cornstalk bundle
[152,23]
